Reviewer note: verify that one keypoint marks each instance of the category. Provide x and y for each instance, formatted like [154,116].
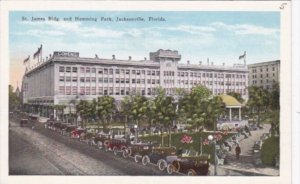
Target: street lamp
[211,139]
[136,133]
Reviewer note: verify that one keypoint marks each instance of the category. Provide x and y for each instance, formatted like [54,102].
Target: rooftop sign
[65,54]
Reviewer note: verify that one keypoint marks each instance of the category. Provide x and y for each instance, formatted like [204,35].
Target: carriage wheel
[115,150]
[125,154]
[162,164]
[170,168]
[145,160]
[136,158]
[191,172]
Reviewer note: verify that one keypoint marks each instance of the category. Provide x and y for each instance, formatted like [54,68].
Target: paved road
[41,151]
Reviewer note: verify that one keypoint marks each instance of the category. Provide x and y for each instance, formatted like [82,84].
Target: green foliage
[270,150]
[105,109]
[14,100]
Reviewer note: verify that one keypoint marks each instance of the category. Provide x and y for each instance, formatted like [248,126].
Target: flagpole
[245,58]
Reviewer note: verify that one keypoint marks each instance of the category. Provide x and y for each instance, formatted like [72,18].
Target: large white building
[66,77]
[264,74]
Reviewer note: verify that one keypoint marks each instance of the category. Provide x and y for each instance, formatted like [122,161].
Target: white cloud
[247,29]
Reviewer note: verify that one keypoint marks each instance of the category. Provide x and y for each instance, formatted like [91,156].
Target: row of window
[127,91]
[261,75]
[149,72]
[262,81]
[254,70]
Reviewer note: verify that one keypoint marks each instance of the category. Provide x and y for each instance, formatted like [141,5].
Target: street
[43,152]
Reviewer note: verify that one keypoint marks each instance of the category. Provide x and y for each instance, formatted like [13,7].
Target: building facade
[65,77]
[264,74]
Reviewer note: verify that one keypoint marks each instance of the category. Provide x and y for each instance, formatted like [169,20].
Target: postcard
[133,92]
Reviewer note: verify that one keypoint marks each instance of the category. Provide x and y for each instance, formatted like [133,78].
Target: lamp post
[136,133]
[211,138]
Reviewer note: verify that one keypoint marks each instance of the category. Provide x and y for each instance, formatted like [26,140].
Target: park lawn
[270,150]
[195,145]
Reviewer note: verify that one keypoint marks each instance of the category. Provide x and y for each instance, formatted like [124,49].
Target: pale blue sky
[220,36]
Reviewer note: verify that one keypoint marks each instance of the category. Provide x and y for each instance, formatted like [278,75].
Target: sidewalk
[246,164]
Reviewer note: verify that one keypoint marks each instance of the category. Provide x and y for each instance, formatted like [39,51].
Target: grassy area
[176,137]
[270,150]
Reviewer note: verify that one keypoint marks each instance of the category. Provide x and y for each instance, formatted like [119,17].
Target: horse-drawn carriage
[190,165]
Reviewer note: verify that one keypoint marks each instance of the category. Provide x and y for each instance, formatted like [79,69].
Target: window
[74,69]
[100,80]
[81,79]
[133,71]
[138,72]
[61,78]
[122,71]
[61,90]
[138,81]
[117,80]
[111,91]
[153,81]
[142,81]
[148,72]
[127,80]
[105,91]
[81,69]
[87,90]
[133,81]
[74,79]
[74,90]
[87,70]
[100,71]
[100,91]
[68,69]
[110,80]
[117,71]
[87,79]
[105,71]
[93,91]
[122,80]
[111,71]
[157,82]
[127,72]
[143,72]
[93,70]
[93,79]
[68,90]
[68,79]
[61,69]
[148,81]
[153,72]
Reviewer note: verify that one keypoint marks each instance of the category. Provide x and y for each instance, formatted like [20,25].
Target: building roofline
[264,63]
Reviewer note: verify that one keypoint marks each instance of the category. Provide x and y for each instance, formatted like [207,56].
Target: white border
[285,167]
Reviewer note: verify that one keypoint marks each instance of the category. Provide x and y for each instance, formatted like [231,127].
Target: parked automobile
[116,145]
[77,133]
[100,139]
[138,151]
[160,156]
[190,165]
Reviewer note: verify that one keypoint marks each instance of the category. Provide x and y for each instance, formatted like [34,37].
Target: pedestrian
[238,151]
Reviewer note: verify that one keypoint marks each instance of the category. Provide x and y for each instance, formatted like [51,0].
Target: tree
[165,109]
[83,109]
[135,108]
[192,107]
[14,100]
[105,110]
[258,102]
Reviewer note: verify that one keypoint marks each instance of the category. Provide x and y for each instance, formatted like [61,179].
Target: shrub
[270,150]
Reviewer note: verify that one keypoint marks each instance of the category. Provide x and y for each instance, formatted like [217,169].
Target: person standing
[238,151]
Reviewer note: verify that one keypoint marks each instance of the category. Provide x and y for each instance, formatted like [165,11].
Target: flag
[38,52]
[25,60]
[243,56]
